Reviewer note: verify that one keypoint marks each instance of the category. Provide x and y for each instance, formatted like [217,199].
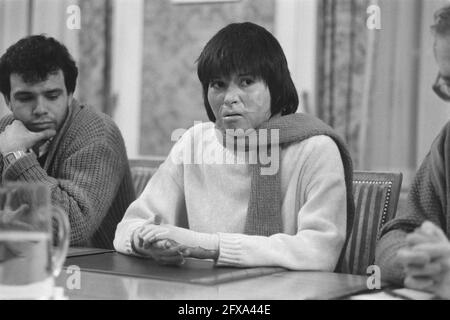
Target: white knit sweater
[213,198]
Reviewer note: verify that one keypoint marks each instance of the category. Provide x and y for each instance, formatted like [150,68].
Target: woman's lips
[232,117]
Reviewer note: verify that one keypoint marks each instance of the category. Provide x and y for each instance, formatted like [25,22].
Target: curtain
[341,59]
[374,86]
[14,24]
[391,119]
[370,80]
[95,49]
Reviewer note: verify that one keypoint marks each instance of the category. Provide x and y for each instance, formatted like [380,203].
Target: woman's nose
[231,95]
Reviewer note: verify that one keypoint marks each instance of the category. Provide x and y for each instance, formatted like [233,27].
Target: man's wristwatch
[10,157]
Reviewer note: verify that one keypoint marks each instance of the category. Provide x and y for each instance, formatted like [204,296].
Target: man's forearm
[386,255]
[77,199]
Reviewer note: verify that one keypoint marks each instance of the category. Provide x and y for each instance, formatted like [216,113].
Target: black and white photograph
[224,155]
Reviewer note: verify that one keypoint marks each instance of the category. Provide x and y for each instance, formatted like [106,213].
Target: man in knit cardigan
[414,249]
[52,139]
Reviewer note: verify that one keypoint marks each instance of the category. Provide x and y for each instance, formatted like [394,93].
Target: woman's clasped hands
[168,244]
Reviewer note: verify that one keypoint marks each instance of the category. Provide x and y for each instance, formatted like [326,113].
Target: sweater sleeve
[162,201]
[386,251]
[426,197]
[84,187]
[426,201]
[321,220]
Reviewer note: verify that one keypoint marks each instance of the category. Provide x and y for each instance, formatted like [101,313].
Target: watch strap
[10,157]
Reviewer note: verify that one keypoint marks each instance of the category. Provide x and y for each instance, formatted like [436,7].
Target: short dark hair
[251,49]
[34,58]
[441,24]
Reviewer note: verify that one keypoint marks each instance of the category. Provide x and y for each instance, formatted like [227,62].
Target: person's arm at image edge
[421,206]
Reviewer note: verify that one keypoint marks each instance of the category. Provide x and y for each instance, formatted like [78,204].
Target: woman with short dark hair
[255,52]
[257,186]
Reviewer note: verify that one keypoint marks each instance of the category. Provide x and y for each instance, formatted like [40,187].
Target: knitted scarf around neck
[264,209]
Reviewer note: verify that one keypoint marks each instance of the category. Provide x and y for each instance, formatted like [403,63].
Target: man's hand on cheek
[17,137]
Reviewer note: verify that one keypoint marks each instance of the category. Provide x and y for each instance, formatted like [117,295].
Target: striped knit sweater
[87,172]
[428,199]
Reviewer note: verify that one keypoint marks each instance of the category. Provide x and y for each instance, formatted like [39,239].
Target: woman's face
[240,101]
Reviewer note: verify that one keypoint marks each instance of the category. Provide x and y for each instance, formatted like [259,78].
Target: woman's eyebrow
[54,91]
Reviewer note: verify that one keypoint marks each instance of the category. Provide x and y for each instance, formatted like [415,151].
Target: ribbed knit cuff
[230,249]
[28,164]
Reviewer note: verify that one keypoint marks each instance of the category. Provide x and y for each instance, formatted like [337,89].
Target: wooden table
[290,285]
